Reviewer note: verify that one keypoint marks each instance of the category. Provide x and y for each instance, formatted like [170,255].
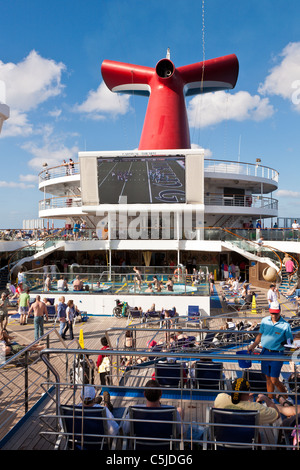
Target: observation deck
[230,189]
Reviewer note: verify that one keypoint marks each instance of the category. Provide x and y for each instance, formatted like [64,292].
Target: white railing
[239,200]
[58,172]
[60,202]
[210,165]
[240,168]
[234,200]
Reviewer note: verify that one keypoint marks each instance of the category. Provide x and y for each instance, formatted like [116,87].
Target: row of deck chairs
[234,300]
[156,428]
[135,314]
[207,375]
[234,335]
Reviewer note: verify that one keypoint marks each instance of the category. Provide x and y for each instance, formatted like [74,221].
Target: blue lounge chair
[84,428]
[152,428]
[169,374]
[209,375]
[244,434]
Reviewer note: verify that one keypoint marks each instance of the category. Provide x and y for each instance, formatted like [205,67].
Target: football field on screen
[143,181]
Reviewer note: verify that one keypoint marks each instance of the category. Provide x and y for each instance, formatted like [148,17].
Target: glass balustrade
[120,280]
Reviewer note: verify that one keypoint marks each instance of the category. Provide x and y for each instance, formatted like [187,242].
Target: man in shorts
[24,304]
[40,311]
[4,303]
[274,332]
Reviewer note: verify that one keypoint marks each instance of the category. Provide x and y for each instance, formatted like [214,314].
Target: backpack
[105,365]
[81,373]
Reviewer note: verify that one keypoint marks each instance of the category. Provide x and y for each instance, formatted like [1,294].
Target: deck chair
[135,313]
[225,436]
[153,314]
[51,312]
[209,375]
[85,428]
[193,313]
[169,374]
[210,340]
[227,336]
[234,306]
[152,428]
[285,432]
[257,380]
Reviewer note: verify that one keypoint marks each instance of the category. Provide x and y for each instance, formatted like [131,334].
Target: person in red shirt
[103,363]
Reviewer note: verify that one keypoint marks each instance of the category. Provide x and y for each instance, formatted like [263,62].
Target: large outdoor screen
[141,180]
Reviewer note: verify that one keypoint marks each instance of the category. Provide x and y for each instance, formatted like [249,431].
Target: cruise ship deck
[35,385]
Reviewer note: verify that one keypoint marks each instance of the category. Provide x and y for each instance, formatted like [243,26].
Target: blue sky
[50,58]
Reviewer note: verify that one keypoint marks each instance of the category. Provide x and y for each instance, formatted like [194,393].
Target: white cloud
[288,193]
[53,155]
[103,101]
[29,83]
[32,81]
[207,152]
[29,178]
[52,150]
[56,113]
[17,125]
[213,108]
[284,78]
[14,184]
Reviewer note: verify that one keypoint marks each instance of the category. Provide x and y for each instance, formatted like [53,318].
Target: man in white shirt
[295,227]
[235,286]
[273,294]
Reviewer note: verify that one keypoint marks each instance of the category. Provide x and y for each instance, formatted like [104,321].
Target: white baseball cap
[88,392]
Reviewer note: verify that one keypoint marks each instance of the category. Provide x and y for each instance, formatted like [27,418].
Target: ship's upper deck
[56,180]
[223,187]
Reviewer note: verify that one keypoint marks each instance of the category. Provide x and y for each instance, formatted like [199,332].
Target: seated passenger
[89,399]
[11,347]
[152,394]
[151,309]
[242,399]
[235,286]
[157,284]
